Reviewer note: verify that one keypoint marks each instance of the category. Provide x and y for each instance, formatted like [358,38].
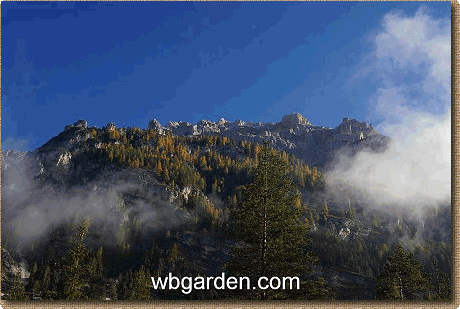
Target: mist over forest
[95,212]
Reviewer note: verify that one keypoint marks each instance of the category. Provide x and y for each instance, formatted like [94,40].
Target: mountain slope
[172,186]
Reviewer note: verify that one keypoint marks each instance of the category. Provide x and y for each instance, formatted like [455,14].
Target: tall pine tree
[270,237]
[76,266]
[440,284]
[141,285]
[402,277]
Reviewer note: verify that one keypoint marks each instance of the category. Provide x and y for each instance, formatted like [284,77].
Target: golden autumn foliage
[201,162]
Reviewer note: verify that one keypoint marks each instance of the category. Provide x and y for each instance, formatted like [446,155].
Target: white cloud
[419,41]
[415,170]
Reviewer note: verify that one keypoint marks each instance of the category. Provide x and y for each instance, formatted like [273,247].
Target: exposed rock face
[354,127]
[71,138]
[239,122]
[222,121]
[182,128]
[64,159]
[110,127]
[54,159]
[295,119]
[80,124]
[154,125]
[295,134]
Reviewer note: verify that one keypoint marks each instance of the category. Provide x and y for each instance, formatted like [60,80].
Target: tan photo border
[455,303]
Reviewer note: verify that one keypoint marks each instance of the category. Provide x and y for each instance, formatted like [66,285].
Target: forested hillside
[125,204]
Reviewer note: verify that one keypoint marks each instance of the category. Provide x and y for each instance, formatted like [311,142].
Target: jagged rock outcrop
[71,138]
[110,127]
[80,124]
[222,121]
[315,145]
[294,119]
[155,125]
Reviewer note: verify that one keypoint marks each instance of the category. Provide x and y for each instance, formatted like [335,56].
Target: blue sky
[129,62]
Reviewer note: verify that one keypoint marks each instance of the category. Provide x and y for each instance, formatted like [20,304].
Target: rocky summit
[315,145]
[295,119]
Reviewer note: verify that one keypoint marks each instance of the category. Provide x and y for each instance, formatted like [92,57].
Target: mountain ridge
[314,145]
[294,134]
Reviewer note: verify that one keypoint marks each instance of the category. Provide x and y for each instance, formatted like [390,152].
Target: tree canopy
[270,237]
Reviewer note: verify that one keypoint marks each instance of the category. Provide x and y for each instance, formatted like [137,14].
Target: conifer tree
[440,283]
[173,255]
[141,286]
[159,168]
[76,265]
[34,279]
[402,277]
[45,281]
[271,238]
[114,291]
[96,273]
[121,287]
